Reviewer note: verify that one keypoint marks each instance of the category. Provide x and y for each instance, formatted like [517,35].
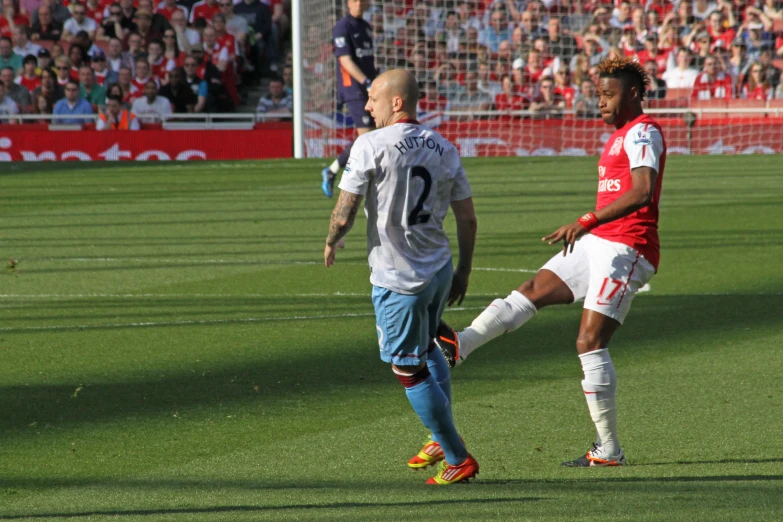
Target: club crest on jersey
[339,41]
[642,138]
[617,146]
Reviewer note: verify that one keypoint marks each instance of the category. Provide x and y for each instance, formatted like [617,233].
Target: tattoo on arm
[343,216]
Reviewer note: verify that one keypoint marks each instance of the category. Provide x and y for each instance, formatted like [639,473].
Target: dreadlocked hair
[627,70]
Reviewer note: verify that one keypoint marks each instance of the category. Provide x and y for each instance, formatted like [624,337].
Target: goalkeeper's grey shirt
[409,174]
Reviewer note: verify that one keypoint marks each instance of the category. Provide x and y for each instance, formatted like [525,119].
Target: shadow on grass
[721,461]
[312,371]
[630,480]
[268,509]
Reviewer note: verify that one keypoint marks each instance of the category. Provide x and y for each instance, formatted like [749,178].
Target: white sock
[334,168]
[503,315]
[600,387]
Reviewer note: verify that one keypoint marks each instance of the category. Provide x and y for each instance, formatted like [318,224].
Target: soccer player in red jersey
[608,255]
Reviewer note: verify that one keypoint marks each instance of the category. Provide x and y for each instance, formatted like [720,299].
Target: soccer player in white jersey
[410,175]
[607,255]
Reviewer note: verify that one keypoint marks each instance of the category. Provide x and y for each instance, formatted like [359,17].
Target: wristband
[588,221]
[367,83]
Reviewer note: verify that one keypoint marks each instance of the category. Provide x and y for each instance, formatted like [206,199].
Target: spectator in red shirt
[431,100]
[564,87]
[29,79]
[168,7]
[224,39]
[510,99]
[652,52]
[546,101]
[140,79]
[49,87]
[712,84]
[757,88]
[216,53]
[95,10]
[171,52]
[661,7]
[10,18]
[205,9]
[158,64]
[533,71]
[718,30]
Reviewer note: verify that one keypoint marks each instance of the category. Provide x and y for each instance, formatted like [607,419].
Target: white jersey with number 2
[409,174]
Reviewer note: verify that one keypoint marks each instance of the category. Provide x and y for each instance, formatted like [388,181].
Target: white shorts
[604,273]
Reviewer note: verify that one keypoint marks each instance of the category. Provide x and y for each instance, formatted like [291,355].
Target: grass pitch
[173,349]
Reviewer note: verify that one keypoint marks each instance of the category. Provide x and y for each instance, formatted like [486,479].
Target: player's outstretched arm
[640,195]
[343,216]
[467,224]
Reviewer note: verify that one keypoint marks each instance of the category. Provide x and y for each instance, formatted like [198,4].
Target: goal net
[505,77]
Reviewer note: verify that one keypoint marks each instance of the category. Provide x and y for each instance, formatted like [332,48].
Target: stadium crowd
[74,58]
[541,55]
[131,61]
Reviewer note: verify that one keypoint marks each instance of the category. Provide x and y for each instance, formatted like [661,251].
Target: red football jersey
[160,69]
[228,41]
[137,86]
[205,11]
[706,88]
[661,59]
[19,19]
[760,92]
[441,103]
[639,143]
[515,102]
[567,93]
[28,83]
[166,12]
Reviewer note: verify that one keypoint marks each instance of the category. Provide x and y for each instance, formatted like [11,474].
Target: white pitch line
[173,260]
[148,324]
[226,261]
[525,270]
[173,296]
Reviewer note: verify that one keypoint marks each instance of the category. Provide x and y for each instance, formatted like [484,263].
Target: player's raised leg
[556,283]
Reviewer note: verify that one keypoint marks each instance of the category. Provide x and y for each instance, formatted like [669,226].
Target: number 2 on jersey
[414,218]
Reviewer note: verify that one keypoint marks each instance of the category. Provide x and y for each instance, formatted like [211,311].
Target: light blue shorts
[406,324]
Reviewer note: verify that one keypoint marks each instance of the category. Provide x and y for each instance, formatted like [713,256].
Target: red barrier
[576,137]
[273,140]
[567,137]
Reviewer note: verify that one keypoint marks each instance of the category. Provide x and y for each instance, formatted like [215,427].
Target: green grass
[173,349]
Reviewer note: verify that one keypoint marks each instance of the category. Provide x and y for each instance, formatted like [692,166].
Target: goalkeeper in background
[353,47]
